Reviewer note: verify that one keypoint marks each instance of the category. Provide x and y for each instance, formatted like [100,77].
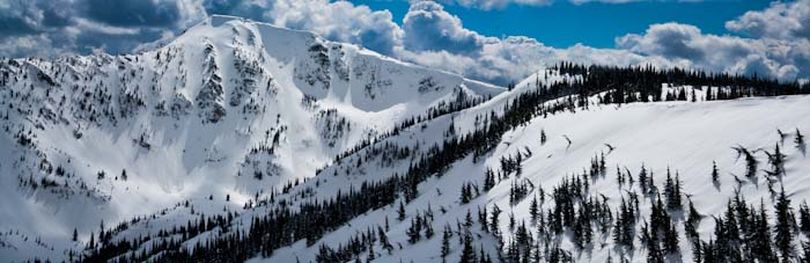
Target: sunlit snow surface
[321,98]
[684,136]
[190,160]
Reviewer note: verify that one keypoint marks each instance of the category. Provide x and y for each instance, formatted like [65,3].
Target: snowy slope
[230,108]
[192,145]
[685,137]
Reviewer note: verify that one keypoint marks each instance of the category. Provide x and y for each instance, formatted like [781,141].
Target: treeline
[643,83]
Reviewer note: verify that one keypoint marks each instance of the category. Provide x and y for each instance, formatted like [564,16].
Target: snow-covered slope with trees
[230,108]
[591,156]
[240,141]
[686,138]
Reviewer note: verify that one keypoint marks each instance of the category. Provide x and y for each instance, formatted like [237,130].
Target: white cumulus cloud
[339,21]
[779,21]
[774,40]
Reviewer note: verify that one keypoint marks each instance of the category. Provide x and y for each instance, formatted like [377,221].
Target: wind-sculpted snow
[230,108]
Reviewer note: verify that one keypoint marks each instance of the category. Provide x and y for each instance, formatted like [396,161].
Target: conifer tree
[496,213]
[777,161]
[483,257]
[750,161]
[642,179]
[543,137]
[465,193]
[533,209]
[482,219]
[428,230]
[697,253]
[92,244]
[649,237]
[371,254]
[692,222]
[804,218]
[672,193]
[670,241]
[783,237]
[401,211]
[761,246]
[446,235]
[709,92]
[583,232]
[467,252]
[489,180]
[511,220]
[681,95]
[623,228]
[468,220]
[414,231]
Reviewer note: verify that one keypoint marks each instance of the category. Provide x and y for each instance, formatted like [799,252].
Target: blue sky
[498,41]
[562,24]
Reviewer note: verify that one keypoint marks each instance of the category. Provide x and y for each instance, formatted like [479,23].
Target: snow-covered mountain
[243,141]
[231,107]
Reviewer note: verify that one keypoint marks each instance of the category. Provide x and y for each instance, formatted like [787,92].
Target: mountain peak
[217,20]
[230,107]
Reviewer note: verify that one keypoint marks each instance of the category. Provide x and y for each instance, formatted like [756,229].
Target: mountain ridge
[110,127]
[244,141]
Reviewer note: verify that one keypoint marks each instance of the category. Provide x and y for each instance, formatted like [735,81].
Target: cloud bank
[56,27]
[772,42]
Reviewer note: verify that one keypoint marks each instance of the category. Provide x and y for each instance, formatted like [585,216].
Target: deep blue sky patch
[562,24]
